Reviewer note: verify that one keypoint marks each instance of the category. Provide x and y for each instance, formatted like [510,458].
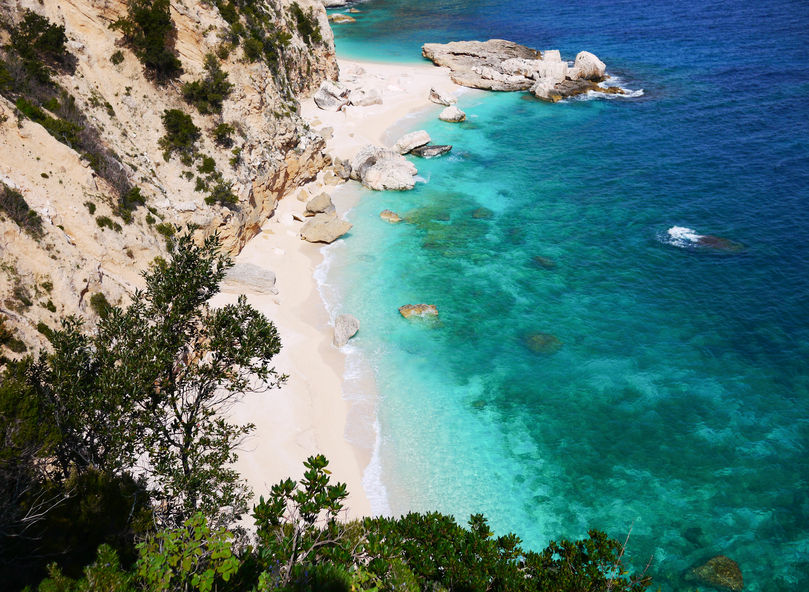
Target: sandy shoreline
[309,414]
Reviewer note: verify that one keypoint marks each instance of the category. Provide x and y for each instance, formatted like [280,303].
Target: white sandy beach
[308,415]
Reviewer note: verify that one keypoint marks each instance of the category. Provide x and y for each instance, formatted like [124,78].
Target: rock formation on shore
[345,327]
[506,66]
[383,169]
[324,228]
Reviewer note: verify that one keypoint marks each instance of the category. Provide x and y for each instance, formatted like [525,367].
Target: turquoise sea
[592,369]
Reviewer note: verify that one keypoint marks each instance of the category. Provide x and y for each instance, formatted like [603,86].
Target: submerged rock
[320,204]
[452,114]
[331,96]
[431,150]
[390,216]
[324,228]
[719,243]
[383,169]
[439,99]
[544,262]
[418,310]
[345,327]
[482,213]
[719,572]
[410,141]
[542,343]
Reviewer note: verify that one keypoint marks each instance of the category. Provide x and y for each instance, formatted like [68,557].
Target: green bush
[117,57]
[181,133]
[222,194]
[165,229]
[149,30]
[13,204]
[8,339]
[208,93]
[208,165]
[100,304]
[222,135]
[307,24]
[41,46]
[107,222]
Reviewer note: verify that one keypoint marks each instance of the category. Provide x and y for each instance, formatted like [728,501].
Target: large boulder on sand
[720,572]
[412,140]
[324,228]
[452,114]
[365,97]
[345,327]
[383,169]
[320,204]
[331,96]
[250,276]
[588,66]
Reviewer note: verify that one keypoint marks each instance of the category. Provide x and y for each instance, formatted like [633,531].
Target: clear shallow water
[676,399]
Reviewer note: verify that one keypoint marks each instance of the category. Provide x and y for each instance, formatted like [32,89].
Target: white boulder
[412,140]
[590,67]
[452,114]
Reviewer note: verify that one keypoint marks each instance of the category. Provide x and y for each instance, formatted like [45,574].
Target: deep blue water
[673,398]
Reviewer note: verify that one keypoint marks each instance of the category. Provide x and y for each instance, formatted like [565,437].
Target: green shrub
[66,132]
[107,222]
[222,135]
[117,57]
[181,133]
[165,229]
[40,46]
[306,22]
[100,304]
[91,207]
[149,30]
[222,194]
[208,93]
[13,204]
[253,49]
[49,305]
[208,165]
[8,339]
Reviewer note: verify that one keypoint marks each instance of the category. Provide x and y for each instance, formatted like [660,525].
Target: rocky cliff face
[85,247]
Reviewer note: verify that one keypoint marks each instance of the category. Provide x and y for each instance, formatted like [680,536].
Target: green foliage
[91,207]
[222,193]
[40,45]
[191,557]
[181,133]
[13,205]
[107,222]
[208,165]
[117,57]
[222,135]
[150,32]
[165,229]
[307,24]
[100,304]
[8,339]
[208,93]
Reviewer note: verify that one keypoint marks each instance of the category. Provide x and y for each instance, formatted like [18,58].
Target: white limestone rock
[452,114]
[410,141]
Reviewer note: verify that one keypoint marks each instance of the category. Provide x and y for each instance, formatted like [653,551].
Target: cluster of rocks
[383,169]
[334,96]
[507,66]
[418,144]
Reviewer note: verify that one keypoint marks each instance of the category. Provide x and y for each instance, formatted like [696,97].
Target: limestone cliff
[83,247]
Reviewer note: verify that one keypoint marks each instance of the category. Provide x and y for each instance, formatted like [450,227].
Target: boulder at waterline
[383,169]
[410,141]
[320,204]
[720,572]
[342,168]
[257,279]
[418,311]
[331,96]
[390,216]
[588,66]
[324,228]
[440,99]
[431,150]
[452,114]
[345,327]
[542,343]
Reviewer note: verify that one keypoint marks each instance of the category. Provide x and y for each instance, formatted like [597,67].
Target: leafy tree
[181,134]
[41,46]
[149,30]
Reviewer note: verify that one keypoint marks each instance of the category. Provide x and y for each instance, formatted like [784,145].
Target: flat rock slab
[248,275]
[431,150]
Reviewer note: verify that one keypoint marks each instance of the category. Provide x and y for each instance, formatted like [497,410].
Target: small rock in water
[339,19]
[452,114]
[439,99]
[542,343]
[720,572]
[418,310]
[431,150]
[544,262]
[345,327]
[390,216]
